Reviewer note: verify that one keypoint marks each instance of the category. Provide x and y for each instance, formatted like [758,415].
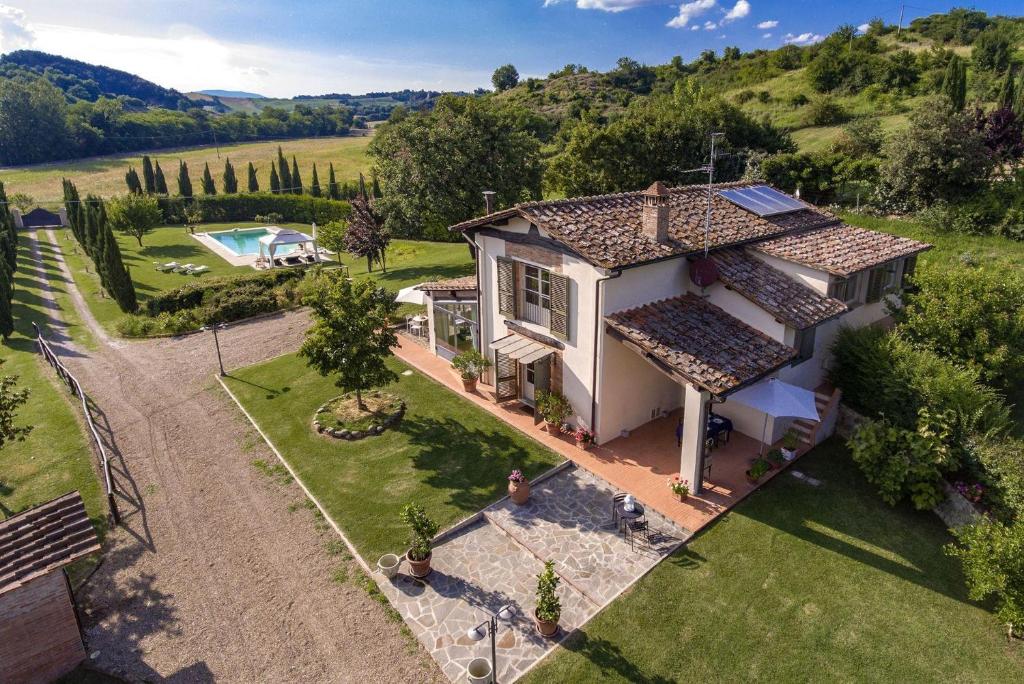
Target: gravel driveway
[218,572]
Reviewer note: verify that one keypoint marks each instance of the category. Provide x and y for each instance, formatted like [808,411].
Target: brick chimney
[489,200]
[654,219]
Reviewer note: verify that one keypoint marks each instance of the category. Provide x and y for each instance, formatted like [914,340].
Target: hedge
[245,207]
[218,291]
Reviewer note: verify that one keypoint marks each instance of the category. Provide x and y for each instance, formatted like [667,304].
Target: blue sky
[285,48]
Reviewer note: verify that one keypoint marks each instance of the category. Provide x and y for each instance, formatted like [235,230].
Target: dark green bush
[195,294]
[247,206]
[241,301]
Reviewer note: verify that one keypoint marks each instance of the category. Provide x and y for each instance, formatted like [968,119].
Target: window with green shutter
[506,287]
[559,306]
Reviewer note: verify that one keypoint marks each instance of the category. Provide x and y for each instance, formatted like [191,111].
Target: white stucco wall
[632,391]
[814,278]
[645,284]
[741,308]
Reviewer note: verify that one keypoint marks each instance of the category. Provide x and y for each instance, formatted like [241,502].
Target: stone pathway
[496,560]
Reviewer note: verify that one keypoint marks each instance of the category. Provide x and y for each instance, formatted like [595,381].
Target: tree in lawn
[954,82]
[7,226]
[230,182]
[275,181]
[505,77]
[148,176]
[208,187]
[332,236]
[159,182]
[351,335]
[333,191]
[314,184]
[119,280]
[131,179]
[11,399]
[296,185]
[253,184]
[366,237]
[1006,91]
[184,182]
[283,173]
[73,207]
[135,215]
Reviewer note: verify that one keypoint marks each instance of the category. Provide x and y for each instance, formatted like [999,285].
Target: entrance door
[528,384]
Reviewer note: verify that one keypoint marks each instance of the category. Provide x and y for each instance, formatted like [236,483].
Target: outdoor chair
[635,527]
[616,499]
[708,457]
[413,327]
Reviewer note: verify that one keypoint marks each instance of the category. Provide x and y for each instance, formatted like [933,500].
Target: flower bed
[341,418]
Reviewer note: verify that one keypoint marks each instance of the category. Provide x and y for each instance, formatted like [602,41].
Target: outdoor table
[623,514]
[718,425]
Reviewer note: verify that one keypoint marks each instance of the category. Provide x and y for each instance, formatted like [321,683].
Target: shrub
[235,303]
[1002,469]
[549,608]
[422,530]
[824,111]
[194,294]
[554,407]
[244,207]
[744,96]
[992,555]
[470,364]
[799,100]
[903,462]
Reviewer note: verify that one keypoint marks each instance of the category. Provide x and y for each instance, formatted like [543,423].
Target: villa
[646,306]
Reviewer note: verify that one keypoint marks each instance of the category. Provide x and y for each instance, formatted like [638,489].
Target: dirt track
[214,575]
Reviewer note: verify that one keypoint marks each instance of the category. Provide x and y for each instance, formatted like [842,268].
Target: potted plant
[790,441]
[774,458]
[757,470]
[549,608]
[584,437]
[470,366]
[423,530]
[554,408]
[680,488]
[518,487]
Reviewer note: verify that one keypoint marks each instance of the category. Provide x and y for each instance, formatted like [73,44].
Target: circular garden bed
[342,418]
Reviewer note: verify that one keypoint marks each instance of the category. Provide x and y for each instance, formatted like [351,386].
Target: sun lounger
[184,268]
[197,270]
[169,266]
[310,259]
[293,260]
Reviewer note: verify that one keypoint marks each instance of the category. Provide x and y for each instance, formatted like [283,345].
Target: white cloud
[863,28]
[695,27]
[803,39]
[738,11]
[15,32]
[690,10]
[767,35]
[771,23]
[603,5]
[710,26]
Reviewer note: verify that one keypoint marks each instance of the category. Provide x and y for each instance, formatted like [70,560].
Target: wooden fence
[76,389]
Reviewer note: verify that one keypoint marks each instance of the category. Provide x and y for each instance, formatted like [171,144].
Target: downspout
[597,345]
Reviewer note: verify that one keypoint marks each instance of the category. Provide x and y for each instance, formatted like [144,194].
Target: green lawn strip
[55,457]
[49,249]
[798,583]
[446,453]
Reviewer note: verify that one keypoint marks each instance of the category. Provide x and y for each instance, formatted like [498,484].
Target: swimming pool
[245,241]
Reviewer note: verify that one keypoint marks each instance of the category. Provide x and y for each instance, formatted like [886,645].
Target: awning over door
[521,349]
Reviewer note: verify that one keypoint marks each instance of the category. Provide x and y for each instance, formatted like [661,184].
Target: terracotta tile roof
[786,298]
[606,229]
[459,284]
[44,538]
[841,250]
[701,342]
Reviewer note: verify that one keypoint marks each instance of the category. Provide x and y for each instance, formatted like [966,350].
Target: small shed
[40,636]
[41,218]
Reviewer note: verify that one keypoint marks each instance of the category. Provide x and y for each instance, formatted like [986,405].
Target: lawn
[447,454]
[55,458]
[105,175]
[798,583]
[409,262]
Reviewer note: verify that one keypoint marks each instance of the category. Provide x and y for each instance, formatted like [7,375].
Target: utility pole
[899,27]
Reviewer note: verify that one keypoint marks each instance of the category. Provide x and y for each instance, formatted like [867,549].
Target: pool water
[247,241]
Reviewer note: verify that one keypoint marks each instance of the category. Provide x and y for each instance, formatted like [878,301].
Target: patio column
[695,424]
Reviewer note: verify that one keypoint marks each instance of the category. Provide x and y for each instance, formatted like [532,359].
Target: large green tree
[253,183]
[33,122]
[1007,96]
[505,77]
[351,336]
[433,166]
[331,235]
[275,181]
[333,191]
[159,182]
[296,179]
[283,172]
[314,184]
[148,176]
[6,295]
[131,179]
[954,82]
[230,182]
[208,187]
[184,182]
[365,235]
[135,215]
[11,399]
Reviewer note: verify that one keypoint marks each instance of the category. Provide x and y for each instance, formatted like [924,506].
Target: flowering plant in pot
[423,530]
[549,608]
[790,441]
[584,437]
[758,469]
[518,487]
[470,366]
[680,488]
[554,408]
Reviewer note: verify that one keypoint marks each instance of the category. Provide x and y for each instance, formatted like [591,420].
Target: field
[799,583]
[446,454]
[105,175]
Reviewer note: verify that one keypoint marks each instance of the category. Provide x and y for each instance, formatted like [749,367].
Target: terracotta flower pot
[580,444]
[419,568]
[683,497]
[469,385]
[519,492]
[545,628]
[751,479]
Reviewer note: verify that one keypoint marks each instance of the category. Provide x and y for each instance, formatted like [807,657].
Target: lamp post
[490,627]
[216,343]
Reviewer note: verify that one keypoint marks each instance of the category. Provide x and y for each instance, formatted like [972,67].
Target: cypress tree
[230,185]
[314,184]
[275,182]
[284,176]
[254,185]
[954,82]
[332,185]
[73,207]
[208,187]
[296,178]
[6,294]
[9,251]
[148,178]
[1018,101]
[121,287]
[1006,91]
[159,182]
[131,179]
[7,229]
[374,186]
[184,182]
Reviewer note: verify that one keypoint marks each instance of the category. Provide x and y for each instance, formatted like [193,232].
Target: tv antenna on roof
[711,181]
[704,271]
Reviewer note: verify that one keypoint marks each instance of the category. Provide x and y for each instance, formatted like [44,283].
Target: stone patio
[495,561]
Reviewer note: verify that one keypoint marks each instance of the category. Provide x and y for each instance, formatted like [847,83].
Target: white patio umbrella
[779,400]
[410,295]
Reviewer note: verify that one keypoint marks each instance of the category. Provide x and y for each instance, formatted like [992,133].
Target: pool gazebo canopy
[285,236]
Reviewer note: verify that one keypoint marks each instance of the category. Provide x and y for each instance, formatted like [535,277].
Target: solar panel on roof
[762,200]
